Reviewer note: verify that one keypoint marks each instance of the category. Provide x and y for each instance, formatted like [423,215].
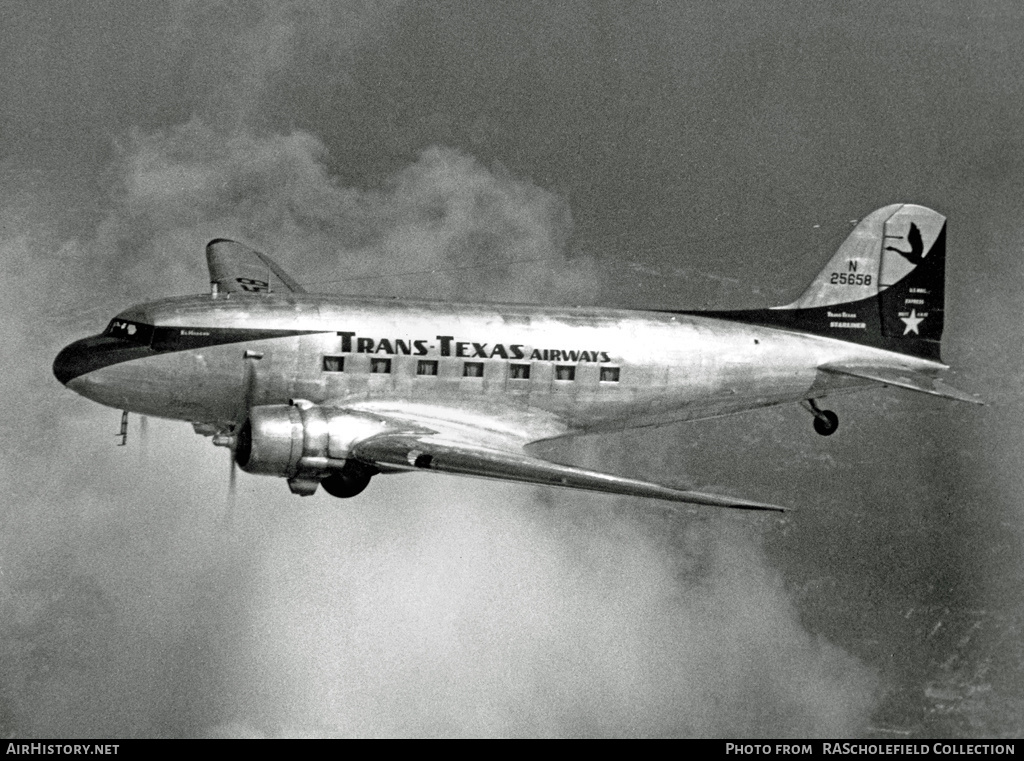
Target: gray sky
[651,154]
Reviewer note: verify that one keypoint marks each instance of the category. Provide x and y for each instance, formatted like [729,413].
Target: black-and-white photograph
[512,369]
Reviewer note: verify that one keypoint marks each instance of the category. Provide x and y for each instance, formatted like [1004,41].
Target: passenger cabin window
[609,375]
[334,364]
[426,367]
[380,365]
[521,372]
[473,370]
[565,372]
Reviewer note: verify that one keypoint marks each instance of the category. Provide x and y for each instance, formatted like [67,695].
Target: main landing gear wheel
[348,482]
[826,423]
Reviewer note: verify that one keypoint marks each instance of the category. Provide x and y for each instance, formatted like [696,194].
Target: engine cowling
[301,440]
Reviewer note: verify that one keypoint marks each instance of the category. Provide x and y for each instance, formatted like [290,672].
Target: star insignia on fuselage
[912,323]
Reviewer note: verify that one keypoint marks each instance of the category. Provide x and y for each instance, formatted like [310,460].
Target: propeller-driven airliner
[333,390]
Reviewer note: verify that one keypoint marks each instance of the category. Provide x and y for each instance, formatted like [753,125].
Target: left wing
[468,453]
[235,268]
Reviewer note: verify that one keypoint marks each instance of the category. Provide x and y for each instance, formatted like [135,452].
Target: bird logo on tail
[914,255]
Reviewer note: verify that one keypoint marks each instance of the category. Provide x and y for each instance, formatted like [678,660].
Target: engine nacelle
[300,439]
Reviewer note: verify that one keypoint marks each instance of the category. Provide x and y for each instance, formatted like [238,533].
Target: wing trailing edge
[912,381]
[415,452]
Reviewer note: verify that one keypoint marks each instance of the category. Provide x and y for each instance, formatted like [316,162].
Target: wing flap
[924,383]
[415,452]
[235,268]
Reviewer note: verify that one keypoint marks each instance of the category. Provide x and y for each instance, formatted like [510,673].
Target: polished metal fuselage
[629,368]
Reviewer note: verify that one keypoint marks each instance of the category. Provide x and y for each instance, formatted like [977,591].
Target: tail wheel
[348,482]
[826,422]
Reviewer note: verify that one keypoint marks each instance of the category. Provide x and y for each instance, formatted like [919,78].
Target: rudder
[913,298]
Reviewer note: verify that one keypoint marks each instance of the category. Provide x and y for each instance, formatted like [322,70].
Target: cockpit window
[136,332]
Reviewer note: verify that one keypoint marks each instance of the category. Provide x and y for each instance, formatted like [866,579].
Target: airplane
[333,390]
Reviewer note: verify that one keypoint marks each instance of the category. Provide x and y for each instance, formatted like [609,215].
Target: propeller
[250,383]
[143,437]
[229,515]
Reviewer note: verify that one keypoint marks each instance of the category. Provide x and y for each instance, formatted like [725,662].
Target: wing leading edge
[410,452]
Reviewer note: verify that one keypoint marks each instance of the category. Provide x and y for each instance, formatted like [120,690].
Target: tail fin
[235,268]
[884,287]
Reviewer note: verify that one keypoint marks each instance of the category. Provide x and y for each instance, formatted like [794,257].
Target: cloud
[441,616]
[444,225]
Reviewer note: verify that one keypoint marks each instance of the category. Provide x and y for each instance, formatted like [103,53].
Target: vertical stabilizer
[884,287]
[884,248]
[235,268]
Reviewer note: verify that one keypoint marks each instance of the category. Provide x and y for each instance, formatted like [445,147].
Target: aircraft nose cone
[72,361]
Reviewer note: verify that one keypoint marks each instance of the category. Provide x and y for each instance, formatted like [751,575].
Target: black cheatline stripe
[97,352]
[167,339]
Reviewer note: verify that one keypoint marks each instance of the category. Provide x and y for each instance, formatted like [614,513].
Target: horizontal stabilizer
[926,384]
[415,452]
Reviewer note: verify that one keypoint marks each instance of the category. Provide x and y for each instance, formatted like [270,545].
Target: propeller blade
[250,384]
[232,487]
[143,437]
[232,474]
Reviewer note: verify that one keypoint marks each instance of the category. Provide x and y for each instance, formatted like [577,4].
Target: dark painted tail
[884,287]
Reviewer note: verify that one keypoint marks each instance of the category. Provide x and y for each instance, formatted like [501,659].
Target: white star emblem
[912,322]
